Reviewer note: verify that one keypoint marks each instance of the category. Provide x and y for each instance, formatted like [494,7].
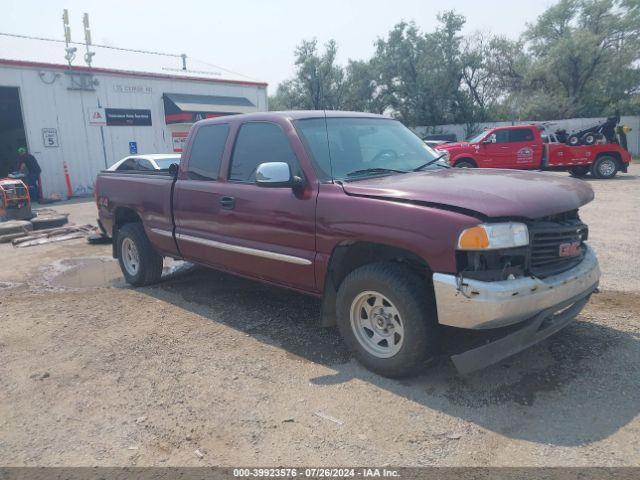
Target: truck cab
[501,147]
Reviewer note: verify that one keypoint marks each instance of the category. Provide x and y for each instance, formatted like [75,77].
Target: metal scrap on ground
[51,235]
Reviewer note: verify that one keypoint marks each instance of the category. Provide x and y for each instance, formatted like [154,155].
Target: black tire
[149,269]
[605,166]
[49,221]
[589,138]
[413,301]
[465,163]
[573,140]
[579,171]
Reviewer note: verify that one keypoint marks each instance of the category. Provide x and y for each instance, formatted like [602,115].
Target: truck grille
[556,246]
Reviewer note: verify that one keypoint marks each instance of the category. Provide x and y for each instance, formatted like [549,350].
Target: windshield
[478,137]
[350,148]
[165,163]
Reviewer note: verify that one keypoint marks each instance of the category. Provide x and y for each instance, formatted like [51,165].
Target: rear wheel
[464,163]
[140,264]
[605,166]
[387,317]
[579,171]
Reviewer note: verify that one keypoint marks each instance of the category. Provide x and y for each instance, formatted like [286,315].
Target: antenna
[70,54]
[88,56]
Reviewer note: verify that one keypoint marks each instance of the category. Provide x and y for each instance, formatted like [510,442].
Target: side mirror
[173,170]
[276,175]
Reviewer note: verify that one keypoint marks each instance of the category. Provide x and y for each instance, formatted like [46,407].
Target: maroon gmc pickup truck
[355,209]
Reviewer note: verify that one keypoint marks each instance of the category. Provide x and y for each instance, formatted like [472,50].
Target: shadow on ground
[571,389]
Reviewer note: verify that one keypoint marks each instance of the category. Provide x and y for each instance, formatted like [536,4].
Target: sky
[249,37]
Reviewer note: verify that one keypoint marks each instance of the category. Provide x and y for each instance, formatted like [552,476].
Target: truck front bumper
[478,305]
[542,306]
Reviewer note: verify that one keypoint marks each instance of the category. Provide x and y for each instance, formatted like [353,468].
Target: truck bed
[148,194]
[563,155]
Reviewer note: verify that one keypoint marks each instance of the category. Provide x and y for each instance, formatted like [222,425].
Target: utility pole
[88,56]
[184,61]
[70,52]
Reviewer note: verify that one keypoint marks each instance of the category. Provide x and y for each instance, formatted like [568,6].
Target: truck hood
[487,192]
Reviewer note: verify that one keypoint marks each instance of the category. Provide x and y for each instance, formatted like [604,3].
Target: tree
[580,57]
[286,97]
[584,53]
[362,91]
[318,83]
[420,73]
[492,70]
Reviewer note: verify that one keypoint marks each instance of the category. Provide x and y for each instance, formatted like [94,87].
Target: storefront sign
[132,89]
[97,116]
[127,117]
[50,137]
[179,140]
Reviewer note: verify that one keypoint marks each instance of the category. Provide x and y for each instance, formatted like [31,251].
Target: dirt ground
[208,369]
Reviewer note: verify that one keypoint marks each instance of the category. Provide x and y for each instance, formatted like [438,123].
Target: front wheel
[140,263]
[465,164]
[605,166]
[387,317]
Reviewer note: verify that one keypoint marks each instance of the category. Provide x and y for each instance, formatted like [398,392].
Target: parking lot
[209,369]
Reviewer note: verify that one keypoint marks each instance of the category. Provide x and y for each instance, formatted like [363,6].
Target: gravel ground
[209,369]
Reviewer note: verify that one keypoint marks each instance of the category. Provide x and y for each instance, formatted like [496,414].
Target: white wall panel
[48,103]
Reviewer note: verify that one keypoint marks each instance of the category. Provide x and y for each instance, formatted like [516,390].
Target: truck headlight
[492,236]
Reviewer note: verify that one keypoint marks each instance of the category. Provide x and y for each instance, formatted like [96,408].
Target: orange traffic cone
[67,179]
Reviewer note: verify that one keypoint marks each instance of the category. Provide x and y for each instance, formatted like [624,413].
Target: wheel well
[466,159]
[349,256]
[122,216]
[615,155]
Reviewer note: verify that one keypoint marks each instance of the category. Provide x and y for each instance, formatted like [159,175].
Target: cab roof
[293,115]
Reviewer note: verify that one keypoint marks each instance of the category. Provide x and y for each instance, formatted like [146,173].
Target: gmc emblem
[569,249]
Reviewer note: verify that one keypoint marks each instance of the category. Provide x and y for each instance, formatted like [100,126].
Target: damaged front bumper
[542,306]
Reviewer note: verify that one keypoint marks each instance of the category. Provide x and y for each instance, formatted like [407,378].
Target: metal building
[85,119]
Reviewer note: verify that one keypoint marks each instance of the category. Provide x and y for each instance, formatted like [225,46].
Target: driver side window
[260,142]
[502,136]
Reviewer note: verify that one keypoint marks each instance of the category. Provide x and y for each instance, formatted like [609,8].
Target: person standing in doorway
[28,165]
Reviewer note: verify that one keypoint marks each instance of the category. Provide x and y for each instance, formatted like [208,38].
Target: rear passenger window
[206,152]
[520,135]
[259,142]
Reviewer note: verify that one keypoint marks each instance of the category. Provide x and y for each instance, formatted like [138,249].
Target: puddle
[98,272]
[87,273]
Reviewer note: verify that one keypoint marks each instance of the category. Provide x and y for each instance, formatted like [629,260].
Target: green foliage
[585,52]
[579,58]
